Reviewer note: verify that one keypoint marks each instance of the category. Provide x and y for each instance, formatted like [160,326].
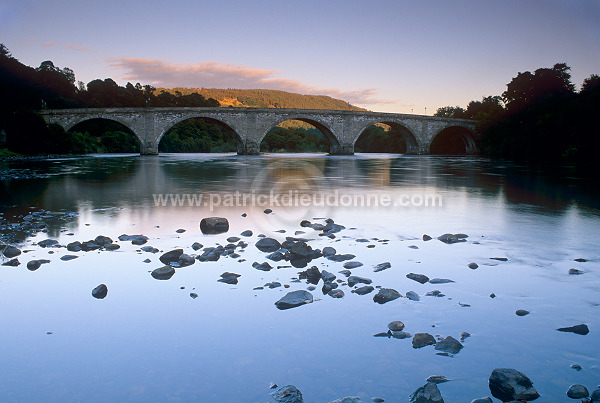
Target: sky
[383,55]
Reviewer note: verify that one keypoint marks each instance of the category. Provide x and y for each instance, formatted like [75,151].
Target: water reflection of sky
[149,341]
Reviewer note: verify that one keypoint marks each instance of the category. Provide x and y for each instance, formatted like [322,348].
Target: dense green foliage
[267,99]
[281,139]
[199,136]
[376,139]
[540,117]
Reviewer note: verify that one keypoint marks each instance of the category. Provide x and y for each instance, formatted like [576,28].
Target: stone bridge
[251,125]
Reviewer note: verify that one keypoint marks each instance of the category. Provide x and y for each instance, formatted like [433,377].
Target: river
[149,340]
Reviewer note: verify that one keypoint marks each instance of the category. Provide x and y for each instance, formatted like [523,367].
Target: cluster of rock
[505,384]
[447,346]
[31,224]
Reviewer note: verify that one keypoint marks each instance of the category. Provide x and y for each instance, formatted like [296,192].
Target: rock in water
[386,295]
[422,340]
[229,278]
[577,329]
[427,394]
[364,290]
[214,225]
[100,292]
[452,238]
[577,391]
[327,277]
[351,265]
[396,326]
[268,245]
[400,335]
[288,394]
[33,265]
[440,281]
[185,260]
[103,240]
[483,400]
[11,252]
[508,384]
[48,243]
[353,280]
[413,296]
[163,273]
[329,251]
[419,278]
[596,395]
[294,299]
[347,399]
[449,345]
[171,256]
[438,379]
[382,266]
[336,294]
[521,312]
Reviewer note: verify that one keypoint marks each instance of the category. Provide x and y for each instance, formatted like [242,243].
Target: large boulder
[177,258]
[422,339]
[268,244]
[353,280]
[103,240]
[429,393]
[577,391]
[11,252]
[508,384]
[294,299]
[288,394]
[214,225]
[449,345]
[100,292]
[419,278]
[163,273]
[386,295]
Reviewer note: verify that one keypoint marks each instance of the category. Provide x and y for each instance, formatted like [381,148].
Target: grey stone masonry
[341,128]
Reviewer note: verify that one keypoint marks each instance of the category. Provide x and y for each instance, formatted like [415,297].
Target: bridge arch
[453,139]
[83,119]
[334,143]
[407,134]
[223,122]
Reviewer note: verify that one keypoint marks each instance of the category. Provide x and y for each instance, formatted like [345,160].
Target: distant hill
[266,99]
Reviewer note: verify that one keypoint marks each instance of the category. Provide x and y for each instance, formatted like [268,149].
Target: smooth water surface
[148,340]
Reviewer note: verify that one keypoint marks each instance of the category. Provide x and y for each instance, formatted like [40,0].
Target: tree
[450,112]
[591,83]
[527,88]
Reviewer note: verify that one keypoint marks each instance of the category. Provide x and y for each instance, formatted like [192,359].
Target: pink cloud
[49,43]
[75,47]
[162,73]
